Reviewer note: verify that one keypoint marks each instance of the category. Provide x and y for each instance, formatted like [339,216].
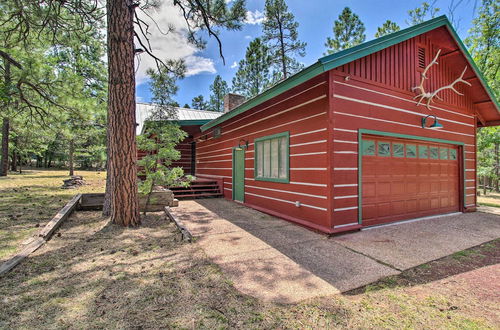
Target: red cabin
[347,142]
[190,121]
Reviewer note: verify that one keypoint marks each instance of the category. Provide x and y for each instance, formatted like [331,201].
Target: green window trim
[423,151]
[286,154]
[411,150]
[368,148]
[443,153]
[384,149]
[398,150]
[434,153]
[453,154]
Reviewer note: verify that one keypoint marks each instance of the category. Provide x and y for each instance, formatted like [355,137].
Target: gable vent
[421,57]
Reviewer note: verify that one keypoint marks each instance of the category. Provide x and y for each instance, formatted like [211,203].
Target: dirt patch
[464,261]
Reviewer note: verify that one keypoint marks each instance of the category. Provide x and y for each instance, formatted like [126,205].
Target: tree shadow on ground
[326,259]
[98,275]
[483,255]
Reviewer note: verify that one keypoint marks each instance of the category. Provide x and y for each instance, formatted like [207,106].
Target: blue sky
[315,19]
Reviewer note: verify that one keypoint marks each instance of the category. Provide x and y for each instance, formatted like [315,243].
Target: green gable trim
[476,70]
[348,55]
[295,80]
[351,54]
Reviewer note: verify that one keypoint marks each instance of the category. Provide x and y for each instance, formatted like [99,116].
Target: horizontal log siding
[303,111]
[396,67]
[185,149]
[359,104]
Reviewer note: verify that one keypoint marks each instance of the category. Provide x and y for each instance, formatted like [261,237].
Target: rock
[73,182]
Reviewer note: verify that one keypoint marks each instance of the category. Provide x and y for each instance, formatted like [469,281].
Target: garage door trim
[361,132]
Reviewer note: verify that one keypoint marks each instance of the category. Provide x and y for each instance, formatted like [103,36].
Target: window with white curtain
[272,158]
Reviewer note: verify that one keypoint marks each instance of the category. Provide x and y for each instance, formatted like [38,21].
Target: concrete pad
[231,243]
[341,267]
[271,259]
[278,280]
[406,245]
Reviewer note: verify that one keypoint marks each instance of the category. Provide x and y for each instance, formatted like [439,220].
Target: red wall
[323,117]
[303,111]
[184,147]
[378,96]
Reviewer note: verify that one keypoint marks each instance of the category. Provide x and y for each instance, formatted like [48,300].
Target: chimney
[231,101]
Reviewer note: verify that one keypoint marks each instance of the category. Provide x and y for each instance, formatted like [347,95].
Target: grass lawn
[29,200]
[491,199]
[92,274]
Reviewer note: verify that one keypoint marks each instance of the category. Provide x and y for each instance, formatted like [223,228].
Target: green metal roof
[351,54]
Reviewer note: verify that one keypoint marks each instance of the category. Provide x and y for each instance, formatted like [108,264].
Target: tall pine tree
[484,42]
[348,31]
[253,75]
[484,46]
[387,28]
[198,103]
[281,36]
[218,90]
[423,13]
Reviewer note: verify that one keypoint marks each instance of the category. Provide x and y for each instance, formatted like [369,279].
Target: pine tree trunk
[106,209]
[13,163]
[484,185]
[121,114]
[283,55]
[71,157]
[497,165]
[4,167]
[4,162]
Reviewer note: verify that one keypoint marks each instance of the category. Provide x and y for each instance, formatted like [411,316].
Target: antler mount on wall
[424,95]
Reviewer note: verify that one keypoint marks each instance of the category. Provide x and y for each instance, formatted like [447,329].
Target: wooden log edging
[186,234]
[43,236]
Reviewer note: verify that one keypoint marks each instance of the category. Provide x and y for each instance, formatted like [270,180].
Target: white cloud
[248,37]
[234,65]
[254,17]
[198,64]
[173,45]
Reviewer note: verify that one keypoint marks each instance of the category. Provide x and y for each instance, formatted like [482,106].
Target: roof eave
[332,61]
[295,80]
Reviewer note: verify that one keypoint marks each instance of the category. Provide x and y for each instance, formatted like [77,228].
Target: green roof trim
[189,122]
[295,80]
[351,54]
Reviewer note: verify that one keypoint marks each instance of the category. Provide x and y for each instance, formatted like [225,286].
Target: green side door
[239,174]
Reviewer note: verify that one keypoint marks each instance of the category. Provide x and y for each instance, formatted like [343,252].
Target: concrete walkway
[409,244]
[274,260]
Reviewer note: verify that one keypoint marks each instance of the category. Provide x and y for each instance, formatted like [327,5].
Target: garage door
[405,179]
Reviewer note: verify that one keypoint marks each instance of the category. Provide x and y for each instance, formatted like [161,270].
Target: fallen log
[43,236]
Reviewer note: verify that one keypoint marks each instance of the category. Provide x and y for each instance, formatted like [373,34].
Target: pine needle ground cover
[95,275]
[29,200]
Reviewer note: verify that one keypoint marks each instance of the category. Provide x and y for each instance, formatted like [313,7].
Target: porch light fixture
[435,125]
[244,145]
